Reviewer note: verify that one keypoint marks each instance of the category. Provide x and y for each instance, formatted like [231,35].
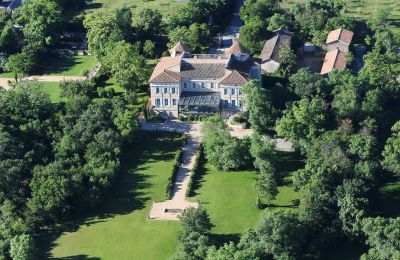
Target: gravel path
[171,209]
[4,81]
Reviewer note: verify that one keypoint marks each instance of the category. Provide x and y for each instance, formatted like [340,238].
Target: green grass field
[166,6]
[69,66]
[230,197]
[120,229]
[53,89]
[364,9]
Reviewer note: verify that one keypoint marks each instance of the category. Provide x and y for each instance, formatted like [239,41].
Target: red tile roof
[341,35]
[180,47]
[335,59]
[237,49]
[234,78]
[162,67]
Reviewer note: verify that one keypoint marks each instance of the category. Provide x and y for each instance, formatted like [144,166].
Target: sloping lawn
[230,197]
[120,229]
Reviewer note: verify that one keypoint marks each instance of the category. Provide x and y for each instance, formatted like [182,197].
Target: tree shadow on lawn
[56,64]
[128,193]
[286,163]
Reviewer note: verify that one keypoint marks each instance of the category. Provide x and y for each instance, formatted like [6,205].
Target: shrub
[196,172]
[174,172]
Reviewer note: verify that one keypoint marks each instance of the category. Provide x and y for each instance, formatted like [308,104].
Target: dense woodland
[59,159]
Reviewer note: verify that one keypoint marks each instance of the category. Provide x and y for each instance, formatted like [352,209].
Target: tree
[383,236]
[288,62]
[146,22]
[127,66]
[253,34]
[258,103]
[307,84]
[391,152]
[195,220]
[303,121]
[21,63]
[278,21]
[281,234]
[41,20]
[262,149]
[352,206]
[149,49]
[258,9]
[221,149]
[103,31]
[196,36]
[194,247]
[382,70]
[50,189]
[22,247]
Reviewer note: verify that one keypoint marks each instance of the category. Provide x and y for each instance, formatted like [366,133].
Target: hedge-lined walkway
[171,209]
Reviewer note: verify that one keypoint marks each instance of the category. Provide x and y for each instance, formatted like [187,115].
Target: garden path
[171,209]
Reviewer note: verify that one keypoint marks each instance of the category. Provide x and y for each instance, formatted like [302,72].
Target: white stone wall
[232,97]
[165,97]
[200,85]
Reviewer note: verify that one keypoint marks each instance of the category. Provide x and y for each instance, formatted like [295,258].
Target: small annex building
[270,60]
[337,46]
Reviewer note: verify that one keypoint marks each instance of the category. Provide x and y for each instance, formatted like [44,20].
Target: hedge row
[174,170]
[196,172]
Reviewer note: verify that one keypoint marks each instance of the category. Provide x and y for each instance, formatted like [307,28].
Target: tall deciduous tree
[259,105]
[391,153]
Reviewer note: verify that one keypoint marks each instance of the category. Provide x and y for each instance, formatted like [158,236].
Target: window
[158,103]
[238,91]
[193,85]
[173,90]
[174,102]
[240,103]
[166,102]
[234,103]
[211,85]
[225,91]
[157,90]
[233,91]
[165,90]
[202,85]
[226,103]
[184,85]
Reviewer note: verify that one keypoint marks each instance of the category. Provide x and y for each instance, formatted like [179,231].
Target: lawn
[69,66]
[165,6]
[230,197]
[10,75]
[363,9]
[53,89]
[120,229]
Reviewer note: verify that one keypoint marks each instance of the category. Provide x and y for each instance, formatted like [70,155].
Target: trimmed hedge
[174,172]
[196,172]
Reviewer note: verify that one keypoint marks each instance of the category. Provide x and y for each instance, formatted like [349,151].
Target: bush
[193,117]
[174,172]
[196,172]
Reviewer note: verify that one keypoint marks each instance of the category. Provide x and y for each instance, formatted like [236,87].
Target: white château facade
[186,83]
